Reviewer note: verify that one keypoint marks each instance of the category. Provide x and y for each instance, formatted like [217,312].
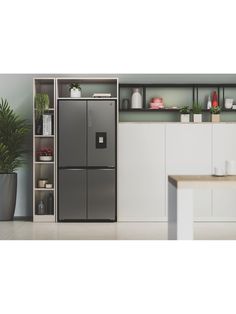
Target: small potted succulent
[215,113]
[185,114]
[197,113]
[75,90]
[41,105]
[45,154]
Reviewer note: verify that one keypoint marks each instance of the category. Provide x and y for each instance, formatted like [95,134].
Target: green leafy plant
[184,110]
[41,104]
[75,86]
[197,108]
[215,110]
[13,131]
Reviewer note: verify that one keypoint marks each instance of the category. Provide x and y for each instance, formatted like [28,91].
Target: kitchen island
[180,201]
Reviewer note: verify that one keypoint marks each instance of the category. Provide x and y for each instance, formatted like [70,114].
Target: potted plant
[197,113]
[215,114]
[75,90]
[45,154]
[41,105]
[184,114]
[13,131]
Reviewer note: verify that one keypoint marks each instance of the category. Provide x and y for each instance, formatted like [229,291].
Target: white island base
[180,201]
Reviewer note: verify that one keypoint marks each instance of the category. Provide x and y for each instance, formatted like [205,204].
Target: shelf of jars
[44,147]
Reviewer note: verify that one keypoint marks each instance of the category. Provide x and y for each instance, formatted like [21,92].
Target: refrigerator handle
[89,118]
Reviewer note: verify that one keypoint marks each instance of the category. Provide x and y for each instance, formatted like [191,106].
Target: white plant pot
[75,93]
[215,118]
[197,117]
[185,118]
[45,158]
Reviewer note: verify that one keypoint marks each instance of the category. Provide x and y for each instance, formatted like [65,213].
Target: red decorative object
[214,99]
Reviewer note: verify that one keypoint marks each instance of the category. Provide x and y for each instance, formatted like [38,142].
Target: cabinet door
[188,151]
[224,148]
[141,171]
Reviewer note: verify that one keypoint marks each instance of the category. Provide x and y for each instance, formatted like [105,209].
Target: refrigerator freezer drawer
[72,194]
[101,194]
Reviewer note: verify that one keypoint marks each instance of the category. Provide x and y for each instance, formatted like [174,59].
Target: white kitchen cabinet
[141,171]
[224,148]
[189,151]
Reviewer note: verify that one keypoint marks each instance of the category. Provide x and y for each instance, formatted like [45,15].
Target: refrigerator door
[101,133]
[101,194]
[72,124]
[72,194]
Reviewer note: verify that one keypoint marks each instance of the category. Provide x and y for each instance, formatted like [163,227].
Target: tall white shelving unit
[58,88]
[44,169]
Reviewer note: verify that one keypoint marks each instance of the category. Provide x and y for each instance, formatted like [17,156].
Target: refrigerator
[87,160]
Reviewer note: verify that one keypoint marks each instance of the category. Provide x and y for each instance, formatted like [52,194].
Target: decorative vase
[209,103]
[214,99]
[75,93]
[197,117]
[41,208]
[50,204]
[215,118]
[185,118]
[8,188]
[136,99]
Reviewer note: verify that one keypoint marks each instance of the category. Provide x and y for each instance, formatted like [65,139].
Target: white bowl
[45,158]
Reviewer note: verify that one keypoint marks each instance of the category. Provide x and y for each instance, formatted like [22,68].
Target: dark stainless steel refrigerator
[87,160]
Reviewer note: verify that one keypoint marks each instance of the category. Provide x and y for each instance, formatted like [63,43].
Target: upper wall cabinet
[141,172]
[188,151]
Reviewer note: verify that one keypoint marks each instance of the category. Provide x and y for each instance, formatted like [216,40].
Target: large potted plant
[197,113]
[13,130]
[41,105]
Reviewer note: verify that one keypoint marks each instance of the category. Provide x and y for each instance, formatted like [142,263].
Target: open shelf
[45,136]
[43,189]
[45,86]
[44,169]
[88,87]
[87,98]
[44,218]
[176,95]
[44,162]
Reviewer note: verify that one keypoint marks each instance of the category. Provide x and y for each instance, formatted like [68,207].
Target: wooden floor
[26,230]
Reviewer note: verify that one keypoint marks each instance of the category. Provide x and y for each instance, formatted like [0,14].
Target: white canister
[218,171]
[229,103]
[230,167]
[136,99]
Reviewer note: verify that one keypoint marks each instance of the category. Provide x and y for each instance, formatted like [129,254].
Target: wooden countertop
[201,181]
